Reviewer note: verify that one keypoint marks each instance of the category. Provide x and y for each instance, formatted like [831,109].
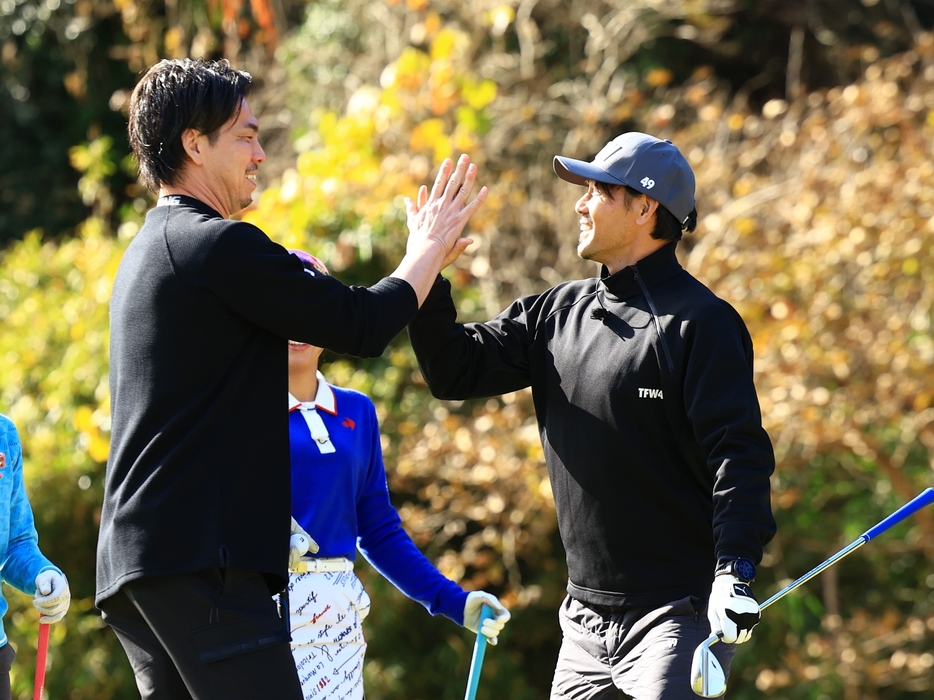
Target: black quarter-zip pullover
[201,312]
[642,383]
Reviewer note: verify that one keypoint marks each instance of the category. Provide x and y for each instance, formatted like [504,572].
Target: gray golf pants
[645,653]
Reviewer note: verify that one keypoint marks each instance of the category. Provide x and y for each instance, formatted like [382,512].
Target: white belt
[321,566]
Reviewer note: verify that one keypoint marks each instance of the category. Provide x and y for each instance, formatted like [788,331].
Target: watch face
[745,569]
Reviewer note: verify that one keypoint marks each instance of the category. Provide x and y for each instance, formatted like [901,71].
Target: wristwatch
[740,567]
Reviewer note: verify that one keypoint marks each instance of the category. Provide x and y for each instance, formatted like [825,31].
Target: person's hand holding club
[53,596]
[491,626]
[733,611]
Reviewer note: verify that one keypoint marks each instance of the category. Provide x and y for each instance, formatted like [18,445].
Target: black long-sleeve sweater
[643,388]
[201,312]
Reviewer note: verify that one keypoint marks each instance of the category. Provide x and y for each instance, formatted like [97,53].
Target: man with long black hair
[196,518]
[643,389]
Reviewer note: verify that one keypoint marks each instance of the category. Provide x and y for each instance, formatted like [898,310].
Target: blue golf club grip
[925,498]
[479,650]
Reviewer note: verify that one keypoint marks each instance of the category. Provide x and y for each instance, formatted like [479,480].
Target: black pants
[7,657]
[210,635]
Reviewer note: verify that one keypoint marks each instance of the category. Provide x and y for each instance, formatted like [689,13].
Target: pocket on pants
[362,604]
[224,640]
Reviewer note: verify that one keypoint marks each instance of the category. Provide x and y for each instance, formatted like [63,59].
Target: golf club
[41,655]
[707,677]
[479,650]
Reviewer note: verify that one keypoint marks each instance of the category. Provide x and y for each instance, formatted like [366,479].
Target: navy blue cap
[650,165]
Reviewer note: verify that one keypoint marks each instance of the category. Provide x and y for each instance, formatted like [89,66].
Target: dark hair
[667,227]
[174,96]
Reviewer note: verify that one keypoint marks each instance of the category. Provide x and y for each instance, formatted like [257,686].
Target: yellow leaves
[432,24]
[448,45]
[659,77]
[431,135]
[174,38]
[409,72]
[88,423]
[746,225]
[54,373]
[350,132]
[736,121]
[99,448]
[92,156]
[444,94]
[464,140]
[83,419]
[622,113]
[744,185]
[479,94]
[92,227]
[350,174]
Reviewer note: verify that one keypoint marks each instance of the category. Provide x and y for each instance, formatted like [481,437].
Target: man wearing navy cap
[642,381]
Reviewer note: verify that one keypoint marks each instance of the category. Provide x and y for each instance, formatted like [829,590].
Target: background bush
[809,127]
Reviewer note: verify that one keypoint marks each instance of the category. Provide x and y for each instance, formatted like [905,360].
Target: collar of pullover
[183,200]
[653,269]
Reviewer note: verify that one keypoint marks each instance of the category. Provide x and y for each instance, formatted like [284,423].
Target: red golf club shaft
[41,656]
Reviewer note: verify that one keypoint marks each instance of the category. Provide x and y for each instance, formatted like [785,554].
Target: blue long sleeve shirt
[20,558]
[341,498]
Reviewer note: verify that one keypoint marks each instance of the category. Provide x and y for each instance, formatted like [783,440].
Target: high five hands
[439,217]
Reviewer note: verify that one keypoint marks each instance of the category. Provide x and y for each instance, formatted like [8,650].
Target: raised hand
[435,221]
[438,218]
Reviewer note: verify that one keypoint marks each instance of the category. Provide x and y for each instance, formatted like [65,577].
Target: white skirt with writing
[326,611]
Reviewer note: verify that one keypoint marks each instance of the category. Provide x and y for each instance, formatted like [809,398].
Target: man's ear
[647,209]
[194,142]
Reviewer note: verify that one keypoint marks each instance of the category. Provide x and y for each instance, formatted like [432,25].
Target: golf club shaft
[41,656]
[479,650]
[852,547]
[925,498]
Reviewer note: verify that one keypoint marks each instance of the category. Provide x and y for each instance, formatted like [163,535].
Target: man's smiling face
[232,161]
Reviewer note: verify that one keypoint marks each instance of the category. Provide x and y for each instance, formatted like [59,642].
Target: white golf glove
[300,543]
[492,626]
[52,596]
[732,610]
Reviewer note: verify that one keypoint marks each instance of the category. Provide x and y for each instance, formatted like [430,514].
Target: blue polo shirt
[341,498]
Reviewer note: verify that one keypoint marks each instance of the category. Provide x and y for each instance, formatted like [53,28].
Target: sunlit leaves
[430,136]
[54,385]
[348,180]
[479,94]
[409,72]
[815,223]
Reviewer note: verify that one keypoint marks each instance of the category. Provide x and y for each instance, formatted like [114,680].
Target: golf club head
[707,677]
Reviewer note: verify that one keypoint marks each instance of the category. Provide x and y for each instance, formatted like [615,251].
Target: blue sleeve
[388,547]
[22,560]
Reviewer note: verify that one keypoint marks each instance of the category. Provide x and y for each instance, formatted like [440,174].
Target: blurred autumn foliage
[809,126]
